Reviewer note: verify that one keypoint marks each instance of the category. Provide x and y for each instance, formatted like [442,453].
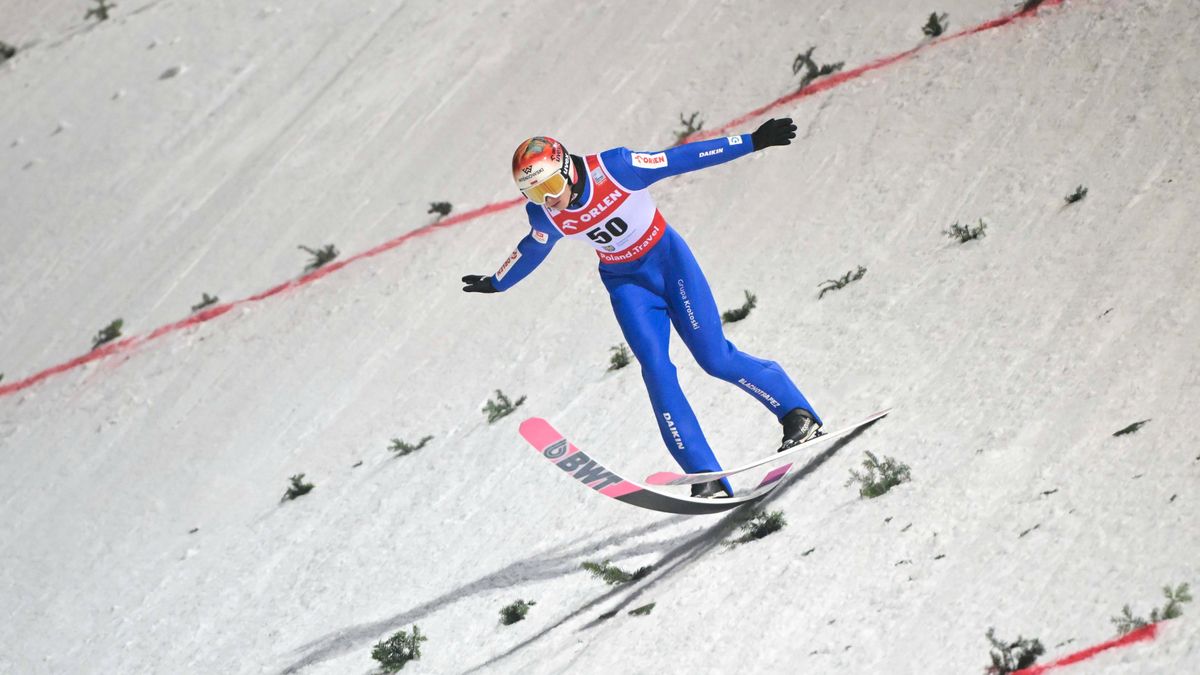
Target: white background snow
[1010,360]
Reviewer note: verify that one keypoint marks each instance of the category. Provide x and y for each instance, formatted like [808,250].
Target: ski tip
[879,415]
[533,422]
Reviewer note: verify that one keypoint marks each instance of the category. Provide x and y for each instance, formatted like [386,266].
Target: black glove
[774,132]
[477,284]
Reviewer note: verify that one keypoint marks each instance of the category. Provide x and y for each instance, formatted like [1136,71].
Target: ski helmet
[542,169]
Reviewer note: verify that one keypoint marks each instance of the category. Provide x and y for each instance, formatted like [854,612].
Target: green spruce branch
[620,357]
[936,25]
[1127,622]
[759,525]
[515,612]
[879,477]
[298,488]
[205,301]
[613,575]
[441,208]
[1176,598]
[1079,193]
[804,61]
[393,653]
[742,312]
[1009,657]
[689,127]
[836,284]
[1131,428]
[402,448]
[500,406]
[320,256]
[100,11]
[966,233]
[107,334]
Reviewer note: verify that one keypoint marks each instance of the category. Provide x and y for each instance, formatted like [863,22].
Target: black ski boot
[713,489]
[798,426]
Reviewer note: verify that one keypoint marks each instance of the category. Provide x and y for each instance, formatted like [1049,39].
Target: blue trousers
[665,287]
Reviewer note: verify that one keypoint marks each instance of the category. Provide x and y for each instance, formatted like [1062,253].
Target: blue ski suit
[654,282]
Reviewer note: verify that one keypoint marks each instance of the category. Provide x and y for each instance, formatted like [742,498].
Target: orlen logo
[650,161]
[584,468]
[572,226]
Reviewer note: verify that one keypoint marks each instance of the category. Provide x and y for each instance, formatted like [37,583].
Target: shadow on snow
[535,568]
[676,560]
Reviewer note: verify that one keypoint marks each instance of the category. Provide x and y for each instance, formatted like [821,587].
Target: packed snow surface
[184,147]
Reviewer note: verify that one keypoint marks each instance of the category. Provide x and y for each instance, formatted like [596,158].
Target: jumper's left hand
[774,132]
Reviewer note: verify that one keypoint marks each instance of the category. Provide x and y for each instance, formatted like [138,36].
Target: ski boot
[713,489]
[798,426]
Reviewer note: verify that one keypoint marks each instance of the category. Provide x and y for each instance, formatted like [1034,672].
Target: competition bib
[622,225]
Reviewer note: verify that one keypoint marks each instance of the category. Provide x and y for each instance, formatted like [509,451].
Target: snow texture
[141,527]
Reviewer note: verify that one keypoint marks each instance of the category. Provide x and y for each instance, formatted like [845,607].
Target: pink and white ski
[586,469]
[674,478]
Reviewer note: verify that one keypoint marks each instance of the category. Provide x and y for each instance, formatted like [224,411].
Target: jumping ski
[674,478]
[586,469]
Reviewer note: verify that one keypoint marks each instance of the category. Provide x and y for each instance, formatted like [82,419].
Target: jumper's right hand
[477,284]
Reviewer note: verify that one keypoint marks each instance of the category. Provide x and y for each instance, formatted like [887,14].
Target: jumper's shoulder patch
[646,160]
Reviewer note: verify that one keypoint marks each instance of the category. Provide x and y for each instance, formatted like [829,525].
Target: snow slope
[1011,360]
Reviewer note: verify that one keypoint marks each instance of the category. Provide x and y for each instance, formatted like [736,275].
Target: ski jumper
[654,282]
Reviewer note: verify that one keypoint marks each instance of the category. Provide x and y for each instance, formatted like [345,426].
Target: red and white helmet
[542,169]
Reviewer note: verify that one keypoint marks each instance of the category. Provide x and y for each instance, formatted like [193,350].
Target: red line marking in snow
[213,312]
[1142,634]
[836,79]
[824,84]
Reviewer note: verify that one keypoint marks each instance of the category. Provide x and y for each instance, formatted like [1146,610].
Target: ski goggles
[550,188]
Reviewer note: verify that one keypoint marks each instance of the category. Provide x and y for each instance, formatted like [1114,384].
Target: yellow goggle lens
[547,189]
